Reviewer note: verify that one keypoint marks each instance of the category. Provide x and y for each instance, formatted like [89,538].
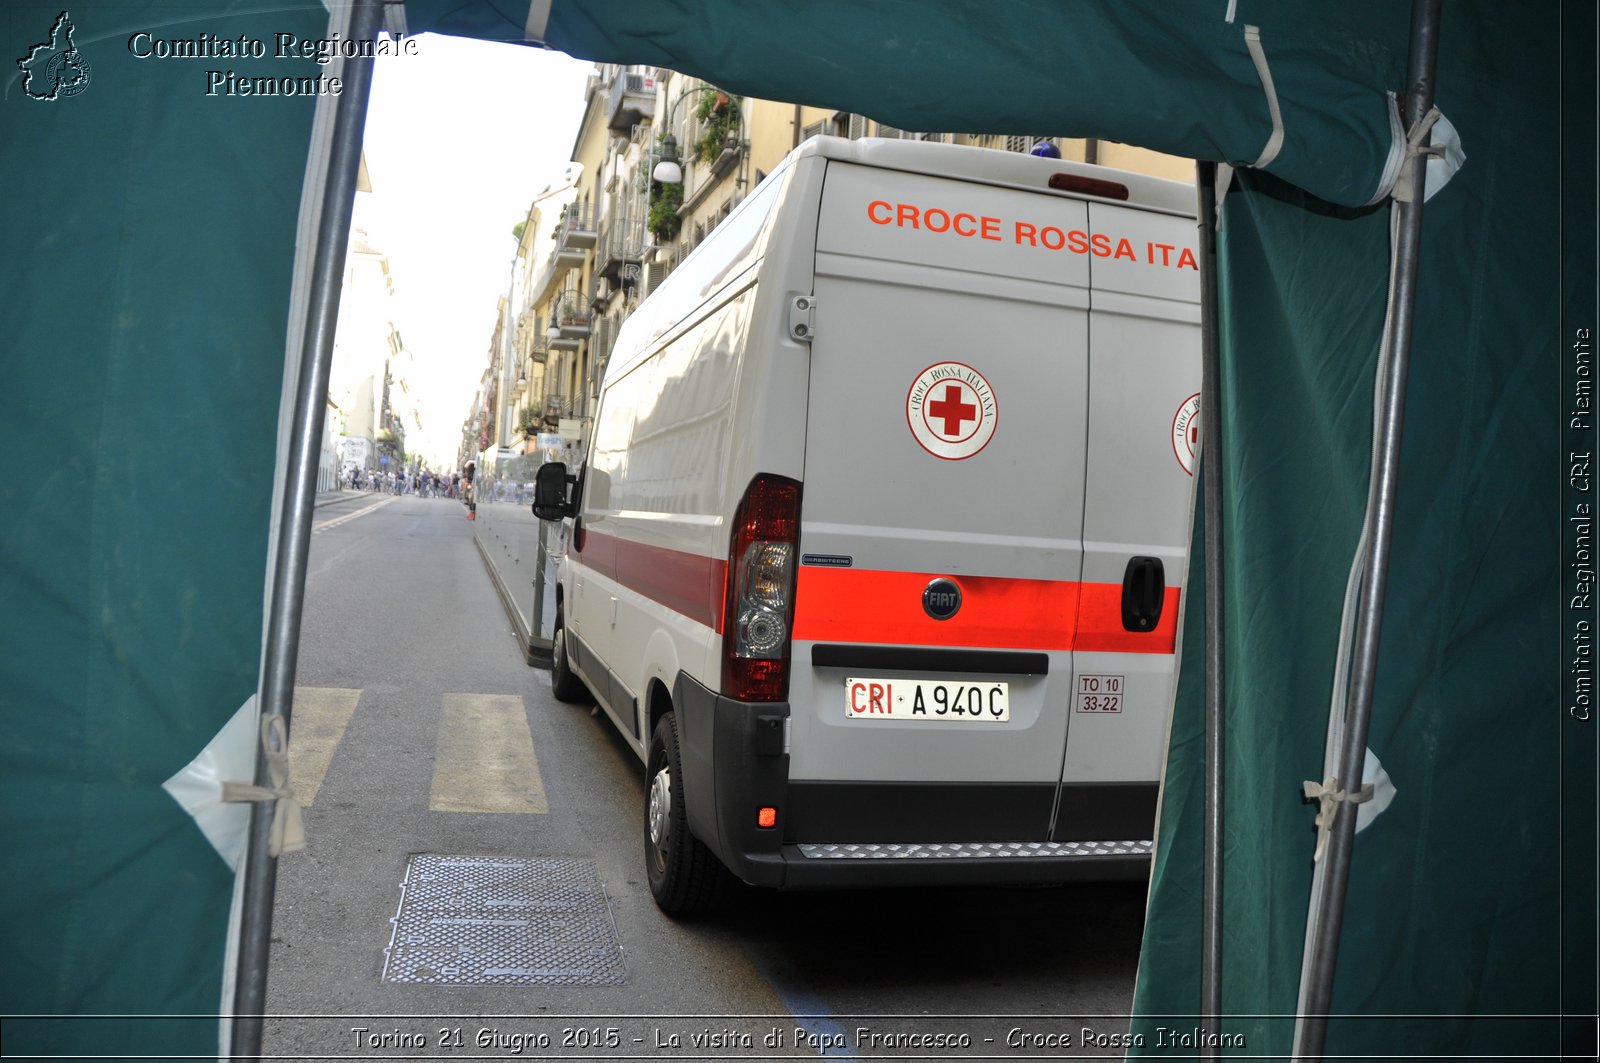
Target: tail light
[1088,186]
[759,611]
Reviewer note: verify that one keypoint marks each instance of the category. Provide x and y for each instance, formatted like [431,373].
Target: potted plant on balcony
[719,116]
[573,311]
[663,221]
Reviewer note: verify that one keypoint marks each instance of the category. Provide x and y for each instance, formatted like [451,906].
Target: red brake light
[1088,186]
[759,610]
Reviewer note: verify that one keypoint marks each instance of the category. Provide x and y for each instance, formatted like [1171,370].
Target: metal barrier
[522,553]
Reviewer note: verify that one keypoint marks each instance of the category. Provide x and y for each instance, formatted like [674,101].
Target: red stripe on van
[863,605]
[1100,627]
[689,584]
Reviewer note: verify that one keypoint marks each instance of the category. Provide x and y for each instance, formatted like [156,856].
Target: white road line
[316,725]
[484,759]
[336,521]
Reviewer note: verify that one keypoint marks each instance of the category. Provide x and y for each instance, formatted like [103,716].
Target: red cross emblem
[952,411]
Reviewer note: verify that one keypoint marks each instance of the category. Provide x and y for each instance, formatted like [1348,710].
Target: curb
[335,498]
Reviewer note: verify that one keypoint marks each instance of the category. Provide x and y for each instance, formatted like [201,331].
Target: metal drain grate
[490,920]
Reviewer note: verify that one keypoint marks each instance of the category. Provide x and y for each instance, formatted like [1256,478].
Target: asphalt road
[424,741]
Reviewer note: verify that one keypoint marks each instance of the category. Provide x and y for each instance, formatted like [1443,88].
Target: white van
[877,550]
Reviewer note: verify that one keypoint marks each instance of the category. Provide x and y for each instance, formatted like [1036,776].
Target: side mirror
[551,492]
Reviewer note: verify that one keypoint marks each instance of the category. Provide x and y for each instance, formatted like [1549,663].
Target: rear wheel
[564,683]
[685,877]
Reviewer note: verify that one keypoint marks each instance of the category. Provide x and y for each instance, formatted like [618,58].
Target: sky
[460,137]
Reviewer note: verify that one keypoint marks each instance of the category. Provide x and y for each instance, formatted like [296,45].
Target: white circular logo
[1186,432]
[951,410]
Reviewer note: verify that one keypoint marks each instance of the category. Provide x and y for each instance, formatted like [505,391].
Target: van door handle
[1144,591]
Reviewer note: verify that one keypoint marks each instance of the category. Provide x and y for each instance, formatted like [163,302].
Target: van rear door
[942,512]
[1144,383]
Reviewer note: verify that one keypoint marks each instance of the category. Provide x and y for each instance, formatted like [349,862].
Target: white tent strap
[394,17]
[1224,182]
[538,20]
[288,825]
[1328,794]
[1252,41]
[1397,152]
[1410,181]
[1404,172]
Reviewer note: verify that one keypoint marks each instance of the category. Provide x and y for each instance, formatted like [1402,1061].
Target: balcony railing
[619,246]
[576,232]
[631,99]
[572,315]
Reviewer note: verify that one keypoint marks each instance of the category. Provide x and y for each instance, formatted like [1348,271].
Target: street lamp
[669,170]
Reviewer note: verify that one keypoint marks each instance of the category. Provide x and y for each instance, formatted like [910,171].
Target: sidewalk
[330,498]
[348,495]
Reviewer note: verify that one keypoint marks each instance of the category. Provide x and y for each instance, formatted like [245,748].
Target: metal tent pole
[1215,657]
[294,539]
[1382,494]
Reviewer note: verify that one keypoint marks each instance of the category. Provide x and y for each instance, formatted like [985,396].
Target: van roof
[1009,169]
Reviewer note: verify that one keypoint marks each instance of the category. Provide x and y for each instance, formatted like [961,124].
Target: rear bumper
[734,764]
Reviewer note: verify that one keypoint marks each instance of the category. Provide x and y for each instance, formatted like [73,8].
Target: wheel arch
[657,703]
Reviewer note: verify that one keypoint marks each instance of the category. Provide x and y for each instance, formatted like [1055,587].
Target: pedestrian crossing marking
[484,759]
[316,724]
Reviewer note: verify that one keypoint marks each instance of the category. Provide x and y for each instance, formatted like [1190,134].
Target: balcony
[551,274]
[572,315]
[576,232]
[728,157]
[724,163]
[619,247]
[630,100]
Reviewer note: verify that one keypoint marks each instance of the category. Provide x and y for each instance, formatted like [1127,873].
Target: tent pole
[1211,484]
[294,538]
[1383,492]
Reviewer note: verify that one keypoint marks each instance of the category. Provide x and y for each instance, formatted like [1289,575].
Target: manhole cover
[494,920]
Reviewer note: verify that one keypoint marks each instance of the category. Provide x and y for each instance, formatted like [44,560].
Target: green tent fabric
[1455,895]
[1175,76]
[150,238]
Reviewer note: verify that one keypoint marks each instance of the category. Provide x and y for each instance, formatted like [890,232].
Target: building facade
[371,406]
[624,223]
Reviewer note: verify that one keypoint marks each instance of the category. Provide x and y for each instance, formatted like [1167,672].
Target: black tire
[564,682]
[685,878]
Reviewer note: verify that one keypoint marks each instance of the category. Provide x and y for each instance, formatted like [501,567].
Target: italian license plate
[868,698]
